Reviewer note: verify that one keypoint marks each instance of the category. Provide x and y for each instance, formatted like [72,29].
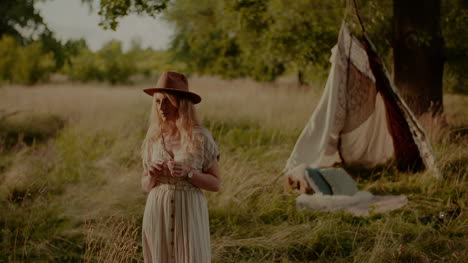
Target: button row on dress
[173,223]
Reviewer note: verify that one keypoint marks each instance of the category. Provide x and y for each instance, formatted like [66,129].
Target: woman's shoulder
[202,133]
[208,145]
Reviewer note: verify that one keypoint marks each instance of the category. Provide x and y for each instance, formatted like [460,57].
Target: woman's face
[166,110]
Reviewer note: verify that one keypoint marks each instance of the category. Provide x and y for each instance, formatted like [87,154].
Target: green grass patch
[29,129]
[72,194]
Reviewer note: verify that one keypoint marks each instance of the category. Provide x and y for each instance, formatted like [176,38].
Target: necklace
[171,143]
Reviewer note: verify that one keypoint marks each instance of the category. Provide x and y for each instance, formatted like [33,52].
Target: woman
[180,157]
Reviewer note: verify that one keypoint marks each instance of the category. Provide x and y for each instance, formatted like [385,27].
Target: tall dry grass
[83,184]
[276,105]
[280,105]
[111,240]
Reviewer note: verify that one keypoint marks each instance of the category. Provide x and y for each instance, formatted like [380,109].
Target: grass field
[70,185]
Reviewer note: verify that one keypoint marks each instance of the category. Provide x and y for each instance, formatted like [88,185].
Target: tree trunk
[418,54]
[300,79]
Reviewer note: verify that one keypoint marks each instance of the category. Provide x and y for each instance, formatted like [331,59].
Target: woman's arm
[149,178]
[147,182]
[209,180]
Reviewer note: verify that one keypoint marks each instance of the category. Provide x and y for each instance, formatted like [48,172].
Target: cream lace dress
[175,221]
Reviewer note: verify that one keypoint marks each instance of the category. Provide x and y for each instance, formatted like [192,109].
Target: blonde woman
[180,158]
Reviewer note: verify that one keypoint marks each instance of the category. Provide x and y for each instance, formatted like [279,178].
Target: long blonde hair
[186,122]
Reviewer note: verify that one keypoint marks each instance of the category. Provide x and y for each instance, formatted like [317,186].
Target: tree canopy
[20,16]
[261,39]
[112,10]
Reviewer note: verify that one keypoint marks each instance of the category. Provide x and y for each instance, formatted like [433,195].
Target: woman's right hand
[157,168]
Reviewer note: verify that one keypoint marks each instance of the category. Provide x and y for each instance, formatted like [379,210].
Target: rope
[359,16]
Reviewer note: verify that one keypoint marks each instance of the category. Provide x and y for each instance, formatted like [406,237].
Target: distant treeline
[37,60]
[261,39]
[264,39]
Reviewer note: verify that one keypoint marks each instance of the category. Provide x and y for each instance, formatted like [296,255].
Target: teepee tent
[361,119]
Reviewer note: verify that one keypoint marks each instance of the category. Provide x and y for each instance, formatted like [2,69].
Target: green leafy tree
[8,55]
[51,44]
[73,47]
[24,64]
[20,15]
[202,42]
[264,38]
[115,66]
[83,66]
[279,34]
[109,63]
[142,57]
[454,23]
[112,10]
[32,64]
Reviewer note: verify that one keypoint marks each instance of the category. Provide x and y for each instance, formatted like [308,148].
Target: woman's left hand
[178,169]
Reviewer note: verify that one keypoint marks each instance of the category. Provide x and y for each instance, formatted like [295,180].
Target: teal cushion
[313,176]
[339,180]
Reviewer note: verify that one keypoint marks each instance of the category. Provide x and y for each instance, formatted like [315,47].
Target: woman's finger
[180,166]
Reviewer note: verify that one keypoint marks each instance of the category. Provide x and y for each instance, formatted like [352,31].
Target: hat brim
[194,98]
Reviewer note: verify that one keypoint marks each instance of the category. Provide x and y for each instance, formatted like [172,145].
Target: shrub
[32,65]
[29,130]
[116,66]
[8,54]
[83,67]
[24,65]
[107,64]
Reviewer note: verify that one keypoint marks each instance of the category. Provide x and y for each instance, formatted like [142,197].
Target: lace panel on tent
[360,99]
[357,91]
[347,46]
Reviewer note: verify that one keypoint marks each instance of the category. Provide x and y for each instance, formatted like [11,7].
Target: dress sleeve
[210,150]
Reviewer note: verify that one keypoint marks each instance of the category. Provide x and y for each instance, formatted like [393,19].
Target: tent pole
[359,16]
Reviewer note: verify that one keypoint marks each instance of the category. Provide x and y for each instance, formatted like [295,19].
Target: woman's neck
[170,130]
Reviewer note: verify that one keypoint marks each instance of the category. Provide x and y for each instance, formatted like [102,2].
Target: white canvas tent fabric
[344,195]
[351,119]
[351,124]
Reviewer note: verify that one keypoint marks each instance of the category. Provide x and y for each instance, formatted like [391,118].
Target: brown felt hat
[175,83]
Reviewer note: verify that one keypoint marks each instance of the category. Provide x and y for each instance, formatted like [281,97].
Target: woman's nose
[162,106]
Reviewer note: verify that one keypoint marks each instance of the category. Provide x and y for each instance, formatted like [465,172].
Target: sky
[70,19]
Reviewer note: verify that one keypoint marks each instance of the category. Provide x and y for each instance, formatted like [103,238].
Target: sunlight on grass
[74,195]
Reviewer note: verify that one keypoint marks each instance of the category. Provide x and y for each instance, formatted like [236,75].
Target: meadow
[70,179]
